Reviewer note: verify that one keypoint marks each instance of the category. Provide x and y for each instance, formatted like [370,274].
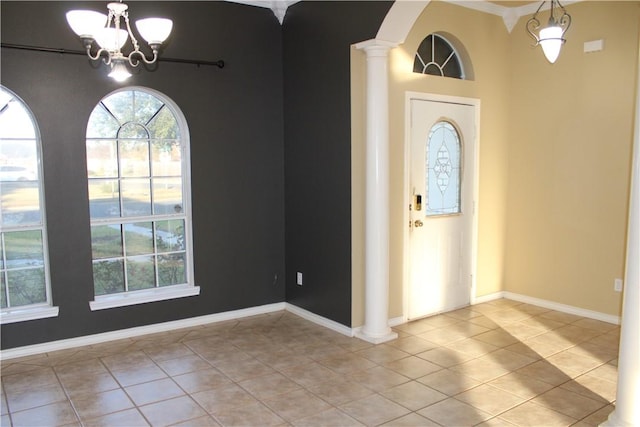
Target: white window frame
[129,298]
[45,309]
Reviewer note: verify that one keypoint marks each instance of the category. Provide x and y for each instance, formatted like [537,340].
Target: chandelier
[111,32]
[551,37]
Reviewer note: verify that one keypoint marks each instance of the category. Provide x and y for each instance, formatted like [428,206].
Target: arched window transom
[436,56]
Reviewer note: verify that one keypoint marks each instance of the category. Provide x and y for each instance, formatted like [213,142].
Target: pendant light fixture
[551,37]
[111,32]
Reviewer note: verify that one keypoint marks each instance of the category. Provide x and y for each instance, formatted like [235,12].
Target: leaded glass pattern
[24,276]
[443,170]
[136,163]
[436,56]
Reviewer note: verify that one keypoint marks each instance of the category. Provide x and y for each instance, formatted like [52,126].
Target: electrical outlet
[617,285]
[299,278]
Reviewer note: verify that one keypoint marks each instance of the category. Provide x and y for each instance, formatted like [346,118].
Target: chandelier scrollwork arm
[111,32]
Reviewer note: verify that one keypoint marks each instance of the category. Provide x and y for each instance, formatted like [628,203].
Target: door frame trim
[431,97]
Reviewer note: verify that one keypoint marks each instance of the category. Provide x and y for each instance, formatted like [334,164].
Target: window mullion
[4,272]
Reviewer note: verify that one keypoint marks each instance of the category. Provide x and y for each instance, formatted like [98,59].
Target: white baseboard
[319,320]
[487,298]
[65,344]
[596,315]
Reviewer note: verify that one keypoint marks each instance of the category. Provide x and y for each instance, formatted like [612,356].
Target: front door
[441,186]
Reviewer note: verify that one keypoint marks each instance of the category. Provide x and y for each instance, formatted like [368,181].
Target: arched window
[443,170]
[139,196]
[25,291]
[437,56]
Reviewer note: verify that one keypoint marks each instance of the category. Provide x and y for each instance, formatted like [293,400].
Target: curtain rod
[219,63]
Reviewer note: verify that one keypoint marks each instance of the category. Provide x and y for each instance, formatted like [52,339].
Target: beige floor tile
[154,391]
[55,414]
[444,335]
[280,369]
[83,385]
[490,399]
[561,317]
[608,371]
[449,382]
[510,360]
[172,411]
[296,404]
[531,414]
[208,379]
[598,417]
[347,363]
[509,315]
[412,344]
[310,374]
[498,337]
[411,420]
[596,325]
[245,369]
[522,331]
[204,421]
[573,364]
[183,365]
[100,404]
[167,352]
[223,398]
[143,374]
[414,328]
[483,369]
[127,361]
[544,371]
[383,353]
[603,353]
[472,347]
[374,410]
[28,398]
[568,403]
[452,412]
[339,391]
[413,367]
[593,387]
[413,395]
[445,357]
[253,414]
[128,418]
[29,380]
[521,385]
[331,417]
[269,385]
[378,378]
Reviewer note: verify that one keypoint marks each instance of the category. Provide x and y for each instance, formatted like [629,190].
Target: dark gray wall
[235,118]
[317,105]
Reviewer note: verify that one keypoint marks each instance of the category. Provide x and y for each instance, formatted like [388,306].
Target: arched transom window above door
[438,56]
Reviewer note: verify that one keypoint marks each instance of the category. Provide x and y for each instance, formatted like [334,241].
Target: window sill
[144,296]
[25,314]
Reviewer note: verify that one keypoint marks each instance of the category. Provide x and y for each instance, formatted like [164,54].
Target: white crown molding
[510,15]
[279,7]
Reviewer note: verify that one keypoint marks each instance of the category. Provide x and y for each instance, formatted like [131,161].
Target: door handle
[418,223]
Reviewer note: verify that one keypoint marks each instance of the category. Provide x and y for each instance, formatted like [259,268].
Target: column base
[614,421]
[376,338]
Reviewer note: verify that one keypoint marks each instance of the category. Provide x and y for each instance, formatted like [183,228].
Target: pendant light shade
[112,32]
[551,37]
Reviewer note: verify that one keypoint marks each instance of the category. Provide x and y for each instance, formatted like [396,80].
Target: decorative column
[627,411]
[376,325]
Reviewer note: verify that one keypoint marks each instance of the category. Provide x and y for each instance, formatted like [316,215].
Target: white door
[441,213]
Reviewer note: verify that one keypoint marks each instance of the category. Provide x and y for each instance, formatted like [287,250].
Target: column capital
[376,45]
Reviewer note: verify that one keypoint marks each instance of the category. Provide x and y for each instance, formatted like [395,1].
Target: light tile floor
[498,363]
